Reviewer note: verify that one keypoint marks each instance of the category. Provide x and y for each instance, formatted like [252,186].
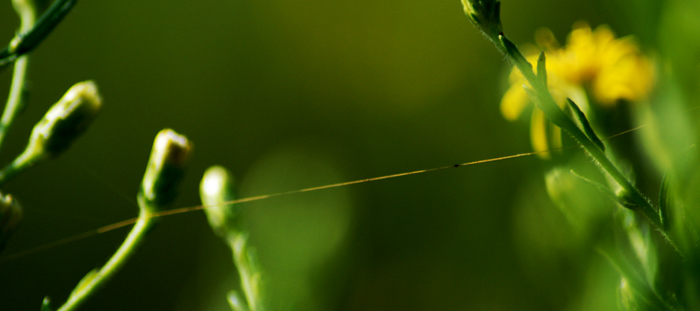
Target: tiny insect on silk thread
[182,210]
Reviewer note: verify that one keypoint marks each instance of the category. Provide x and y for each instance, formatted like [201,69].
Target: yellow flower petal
[514,102]
[556,137]
[538,134]
[630,78]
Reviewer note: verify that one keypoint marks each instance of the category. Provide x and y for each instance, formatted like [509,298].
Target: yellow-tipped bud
[10,216]
[485,14]
[65,121]
[165,169]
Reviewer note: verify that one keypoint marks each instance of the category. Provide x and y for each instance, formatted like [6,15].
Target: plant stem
[27,15]
[21,163]
[544,101]
[30,38]
[94,280]
[15,99]
[247,268]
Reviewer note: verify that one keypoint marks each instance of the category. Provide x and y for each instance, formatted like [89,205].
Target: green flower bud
[10,216]
[65,121]
[486,16]
[216,189]
[165,169]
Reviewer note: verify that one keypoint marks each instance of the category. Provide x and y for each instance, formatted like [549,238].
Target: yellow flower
[612,69]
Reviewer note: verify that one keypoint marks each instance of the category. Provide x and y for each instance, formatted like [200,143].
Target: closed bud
[10,216]
[216,191]
[165,169]
[486,16]
[65,121]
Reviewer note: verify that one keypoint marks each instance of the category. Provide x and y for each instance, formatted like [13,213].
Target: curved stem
[94,279]
[15,99]
[35,33]
[27,14]
[23,162]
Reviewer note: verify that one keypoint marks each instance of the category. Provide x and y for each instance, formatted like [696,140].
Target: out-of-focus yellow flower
[613,69]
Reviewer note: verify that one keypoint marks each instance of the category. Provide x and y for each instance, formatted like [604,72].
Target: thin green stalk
[20,164]
[216,191]
[96,278]
[247,268]
[26,41]
[27,15]
[164,171]
[16,98]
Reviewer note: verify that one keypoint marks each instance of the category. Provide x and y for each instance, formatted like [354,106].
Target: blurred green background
[287,95]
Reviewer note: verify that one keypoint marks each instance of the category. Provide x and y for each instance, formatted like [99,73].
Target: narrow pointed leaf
[542,69]
[585,124]
[664,203]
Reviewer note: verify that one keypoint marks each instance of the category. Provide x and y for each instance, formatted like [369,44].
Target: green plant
[656,255]
[64,121]
[68,119]
[370,82]
[216,191]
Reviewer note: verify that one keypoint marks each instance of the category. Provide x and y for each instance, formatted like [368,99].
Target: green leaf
[638,285]
[586,126]
[664,203]
[542,69]
[518,58]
